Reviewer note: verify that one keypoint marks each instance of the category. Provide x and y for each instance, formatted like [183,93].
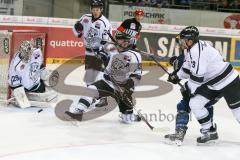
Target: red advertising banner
[61,43]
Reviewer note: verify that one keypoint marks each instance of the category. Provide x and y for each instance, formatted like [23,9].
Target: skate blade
[209,143]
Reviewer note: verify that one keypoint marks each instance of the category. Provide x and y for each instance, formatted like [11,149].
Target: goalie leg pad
[21,97]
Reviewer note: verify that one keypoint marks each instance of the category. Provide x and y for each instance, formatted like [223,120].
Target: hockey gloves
[172,60]
[79,28]
[173,78]
[127,94]
[185,91]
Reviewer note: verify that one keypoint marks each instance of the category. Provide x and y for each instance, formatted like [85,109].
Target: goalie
[28,78]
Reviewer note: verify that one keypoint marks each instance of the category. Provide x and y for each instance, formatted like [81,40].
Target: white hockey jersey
[203,64]
[123,65]
[94,32]
[25,74]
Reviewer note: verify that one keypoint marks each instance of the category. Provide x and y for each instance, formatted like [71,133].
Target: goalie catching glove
[50,77]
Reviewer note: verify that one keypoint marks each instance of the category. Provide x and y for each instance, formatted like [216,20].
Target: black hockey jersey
[131,26]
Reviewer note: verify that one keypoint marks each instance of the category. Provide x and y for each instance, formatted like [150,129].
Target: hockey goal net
[9,45]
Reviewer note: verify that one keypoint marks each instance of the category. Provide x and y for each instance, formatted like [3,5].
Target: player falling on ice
[183,109]
[28,78]
[133,26]
[95,29]
[209,76]
[122,71]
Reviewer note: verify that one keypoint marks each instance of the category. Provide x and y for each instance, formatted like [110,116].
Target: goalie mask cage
[10,42]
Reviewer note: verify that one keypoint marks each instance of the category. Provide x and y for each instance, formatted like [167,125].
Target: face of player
[122,44]
[185,44]
[139,18]
[96,12]
[25,56]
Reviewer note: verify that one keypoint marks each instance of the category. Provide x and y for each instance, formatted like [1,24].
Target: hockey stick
[157,62]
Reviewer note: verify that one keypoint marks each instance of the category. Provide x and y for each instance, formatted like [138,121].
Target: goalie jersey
[25,74]
[203,65]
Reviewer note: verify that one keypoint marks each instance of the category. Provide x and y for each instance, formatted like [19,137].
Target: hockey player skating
[123,70]
[209,75]
[133,26]
[183,109]
[94,28]
[27,77]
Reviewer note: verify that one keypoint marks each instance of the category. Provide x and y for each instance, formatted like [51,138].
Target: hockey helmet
[139,12]
[190,33]
[97,4]
[25,50]
[128,40]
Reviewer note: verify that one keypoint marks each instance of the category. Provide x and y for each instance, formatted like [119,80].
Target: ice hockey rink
[29,135]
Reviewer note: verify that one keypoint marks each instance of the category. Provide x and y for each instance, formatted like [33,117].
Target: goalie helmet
[124,41]
[25,50]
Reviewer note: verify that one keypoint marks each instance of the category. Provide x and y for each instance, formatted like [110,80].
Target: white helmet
[25,50]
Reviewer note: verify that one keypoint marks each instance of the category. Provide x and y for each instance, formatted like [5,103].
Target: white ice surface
[29,135]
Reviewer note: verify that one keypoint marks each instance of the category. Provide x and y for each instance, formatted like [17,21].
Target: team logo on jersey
[34,71]
[133,26]
[92,36]
[119,67]
[85,20]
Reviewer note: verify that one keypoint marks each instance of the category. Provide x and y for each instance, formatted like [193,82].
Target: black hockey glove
[172,60]
[173,78]
[186,93]
[78,26]
[128,91]
[103,56]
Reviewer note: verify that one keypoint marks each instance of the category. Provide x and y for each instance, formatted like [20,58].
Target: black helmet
[122,35]
[119,35]
[190,33]
[97,3]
